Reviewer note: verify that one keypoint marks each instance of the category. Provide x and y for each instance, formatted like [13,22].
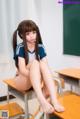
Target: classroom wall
[48,14]
[54,35]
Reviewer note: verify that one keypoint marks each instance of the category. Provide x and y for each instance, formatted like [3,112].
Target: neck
[31,45]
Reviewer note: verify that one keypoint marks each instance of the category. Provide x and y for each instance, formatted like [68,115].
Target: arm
[44,60]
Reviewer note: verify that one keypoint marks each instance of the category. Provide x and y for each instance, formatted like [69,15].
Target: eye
[27,33]
[34,32]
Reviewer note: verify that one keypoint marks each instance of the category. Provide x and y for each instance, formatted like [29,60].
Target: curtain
[12,12]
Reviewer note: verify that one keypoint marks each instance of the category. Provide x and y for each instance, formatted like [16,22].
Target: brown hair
[23,27]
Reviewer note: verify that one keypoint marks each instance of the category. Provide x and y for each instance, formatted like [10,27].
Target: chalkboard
[71,29]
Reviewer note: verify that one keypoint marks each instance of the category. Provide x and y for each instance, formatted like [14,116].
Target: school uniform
[20,52]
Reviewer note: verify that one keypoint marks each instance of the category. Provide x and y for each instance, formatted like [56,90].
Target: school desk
[71,102]
[73,74]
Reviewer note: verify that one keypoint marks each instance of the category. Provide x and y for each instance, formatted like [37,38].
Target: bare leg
[45,91]
[35,78]
[21,81]
[51,86]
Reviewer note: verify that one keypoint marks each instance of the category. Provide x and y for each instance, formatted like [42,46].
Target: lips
[32,40]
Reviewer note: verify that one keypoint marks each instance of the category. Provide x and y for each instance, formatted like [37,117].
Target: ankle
[54,101]
[43,102]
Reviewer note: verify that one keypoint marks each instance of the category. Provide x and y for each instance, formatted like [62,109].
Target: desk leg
[8,94]
[26,106]
[46,116]
[71,85]
[79,83]
[79,87]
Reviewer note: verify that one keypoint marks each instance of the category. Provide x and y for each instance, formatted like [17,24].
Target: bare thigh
[23,83]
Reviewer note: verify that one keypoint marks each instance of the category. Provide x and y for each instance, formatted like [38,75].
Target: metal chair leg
[7,94]
[46,116]
[26,107]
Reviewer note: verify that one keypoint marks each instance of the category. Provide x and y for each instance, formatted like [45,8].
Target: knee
[42,63]
[35,62]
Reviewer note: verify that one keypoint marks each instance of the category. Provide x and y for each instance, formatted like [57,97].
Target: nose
[31,35]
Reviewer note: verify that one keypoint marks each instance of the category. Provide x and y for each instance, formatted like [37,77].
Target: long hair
[23,27]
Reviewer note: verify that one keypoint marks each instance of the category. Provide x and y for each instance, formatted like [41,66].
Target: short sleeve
[19,52]
[42,52]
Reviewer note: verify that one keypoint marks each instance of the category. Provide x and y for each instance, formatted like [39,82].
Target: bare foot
[58,107]
[47,107]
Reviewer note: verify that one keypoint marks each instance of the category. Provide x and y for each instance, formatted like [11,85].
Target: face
[31,36]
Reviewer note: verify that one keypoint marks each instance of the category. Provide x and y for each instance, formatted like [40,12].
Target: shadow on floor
[54,117]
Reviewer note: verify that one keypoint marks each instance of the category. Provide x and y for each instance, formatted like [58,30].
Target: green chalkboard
[71,29]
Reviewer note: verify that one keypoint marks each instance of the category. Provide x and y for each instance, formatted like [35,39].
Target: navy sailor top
[19,52]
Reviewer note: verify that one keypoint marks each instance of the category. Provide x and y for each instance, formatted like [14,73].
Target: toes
[59,108]
[51,109]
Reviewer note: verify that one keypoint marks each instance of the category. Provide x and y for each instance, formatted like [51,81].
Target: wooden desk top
[71,72]
[13,108]
[71,103]
[11,83]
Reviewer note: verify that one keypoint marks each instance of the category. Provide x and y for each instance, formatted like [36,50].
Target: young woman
[32,65]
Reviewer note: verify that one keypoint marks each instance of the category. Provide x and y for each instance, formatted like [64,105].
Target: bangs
[30,27]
